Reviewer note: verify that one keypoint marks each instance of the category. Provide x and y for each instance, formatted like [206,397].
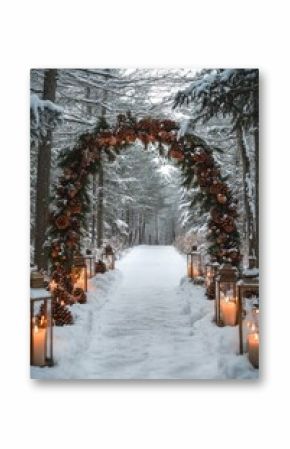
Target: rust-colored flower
[62,221]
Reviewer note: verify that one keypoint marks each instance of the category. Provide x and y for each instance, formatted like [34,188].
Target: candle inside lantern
[80,280]
[192,271]
[39,343]
[208,279]
[253,348]
[229,311]
[189,270]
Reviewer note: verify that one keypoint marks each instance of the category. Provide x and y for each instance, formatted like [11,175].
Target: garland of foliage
[192,154]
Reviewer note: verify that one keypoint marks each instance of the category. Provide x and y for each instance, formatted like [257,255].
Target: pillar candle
[253,347]
[228,312]
[39,343]
[80,282]
[189,270]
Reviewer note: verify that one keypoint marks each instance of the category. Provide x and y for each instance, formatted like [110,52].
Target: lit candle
[38,342]
[253,347]
[189,270]
[209,279]
[248,326]
[80,280]
[228,311]
[192,271]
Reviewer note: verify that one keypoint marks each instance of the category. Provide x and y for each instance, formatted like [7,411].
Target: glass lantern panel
[40,335]
[250,322]
[228,303]
[79,277]
[90,263]
[196,265]
[253,348]
[209,275]
[189,265]
[109,261]
[49,327]
[209,271]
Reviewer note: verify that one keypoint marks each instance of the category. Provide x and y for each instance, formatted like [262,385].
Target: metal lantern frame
[194,268]
[226,281]
[211,270]
[41,328]
[79,267]
[90,263]
[108,257]
[248,285]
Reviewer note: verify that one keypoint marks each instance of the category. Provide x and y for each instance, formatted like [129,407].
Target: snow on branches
[225,92]
[44,115]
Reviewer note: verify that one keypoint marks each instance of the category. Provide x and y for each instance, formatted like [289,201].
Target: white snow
[39,293]
[145,320]
[37,105]
[251,272]
[183,128]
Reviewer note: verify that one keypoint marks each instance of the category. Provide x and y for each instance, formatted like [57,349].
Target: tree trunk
[100,207]
[43,178]
[94,211]
[256,143]
[250,231]
[100,199]
[88,95]
[156,229]
[144,239]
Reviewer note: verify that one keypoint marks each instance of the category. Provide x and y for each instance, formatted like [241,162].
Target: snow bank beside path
[214,349]
[71,341]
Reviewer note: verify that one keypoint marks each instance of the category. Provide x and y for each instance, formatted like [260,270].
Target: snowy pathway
[147,326]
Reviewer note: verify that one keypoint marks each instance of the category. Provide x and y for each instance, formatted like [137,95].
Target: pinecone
[61,314]
[80,295]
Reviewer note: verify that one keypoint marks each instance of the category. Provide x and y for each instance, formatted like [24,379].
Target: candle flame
[36,329]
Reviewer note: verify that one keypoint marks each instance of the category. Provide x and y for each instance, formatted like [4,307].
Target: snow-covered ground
[145,320]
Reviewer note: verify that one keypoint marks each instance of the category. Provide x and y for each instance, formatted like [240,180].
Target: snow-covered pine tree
[230,97]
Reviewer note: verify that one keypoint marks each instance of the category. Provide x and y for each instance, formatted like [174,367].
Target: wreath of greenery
[192,154]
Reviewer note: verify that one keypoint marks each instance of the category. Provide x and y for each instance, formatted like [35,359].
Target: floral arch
[192,154]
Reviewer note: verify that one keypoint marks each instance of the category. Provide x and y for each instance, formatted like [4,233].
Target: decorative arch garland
[192,154]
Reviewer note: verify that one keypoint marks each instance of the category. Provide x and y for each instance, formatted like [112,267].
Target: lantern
[79,273]
[41,325]
[194,263]
[90,263]
[226,307]
[211,272]
[108,257]
[248,307]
